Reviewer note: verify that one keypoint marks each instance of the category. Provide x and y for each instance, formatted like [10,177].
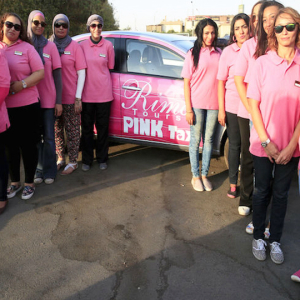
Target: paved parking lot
[139,231]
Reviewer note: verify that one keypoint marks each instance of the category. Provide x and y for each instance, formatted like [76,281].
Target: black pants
[283,175]
[21,139]
[246,177]
[95,113]
[233,132]
[3,170]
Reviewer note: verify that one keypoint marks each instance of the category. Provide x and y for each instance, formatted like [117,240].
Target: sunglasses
[289,27]
[64,25]
[37,23]
[96,25]
[10,25]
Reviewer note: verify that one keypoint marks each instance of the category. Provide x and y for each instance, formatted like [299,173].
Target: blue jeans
[279,186]
[46,167]
[204,126]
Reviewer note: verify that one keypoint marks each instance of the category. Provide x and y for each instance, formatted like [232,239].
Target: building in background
[166,26]
[223,23]
[190,24]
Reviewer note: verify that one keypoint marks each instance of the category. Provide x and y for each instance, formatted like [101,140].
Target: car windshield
[184,45]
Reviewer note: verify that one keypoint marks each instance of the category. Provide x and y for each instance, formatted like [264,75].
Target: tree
[77,11]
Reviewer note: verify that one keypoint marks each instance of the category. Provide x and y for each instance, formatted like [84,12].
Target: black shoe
[232,193]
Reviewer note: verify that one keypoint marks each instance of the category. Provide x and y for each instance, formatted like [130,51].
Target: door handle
[133,88]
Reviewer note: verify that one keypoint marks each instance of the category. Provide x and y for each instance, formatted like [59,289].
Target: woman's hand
[285,155]
[272,151]
[78,106]
[15,87]
[222,117]
[189,116]
[58,110]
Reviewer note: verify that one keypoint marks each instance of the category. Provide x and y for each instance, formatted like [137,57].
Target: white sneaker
[259,249]
[276,253]
[85,167]
[250,228]
[267,233]
[103,166]
[49,180]
[197,185]
[38,180]
[244,210]
[207,184]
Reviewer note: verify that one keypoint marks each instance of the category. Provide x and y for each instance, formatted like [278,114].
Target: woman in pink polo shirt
[274,99]
[229,98]
[73,77]
[26,70]
[4,124]
[201,98]
[246,163]
[97,94]
[244,65]
[50,89]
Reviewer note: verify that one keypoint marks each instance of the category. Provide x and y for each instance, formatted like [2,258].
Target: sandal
[70,168]
[60,164]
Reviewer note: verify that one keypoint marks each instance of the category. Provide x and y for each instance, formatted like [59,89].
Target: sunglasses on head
[96,25]
[37,23]
[289,27]
[11,25]
[64,25]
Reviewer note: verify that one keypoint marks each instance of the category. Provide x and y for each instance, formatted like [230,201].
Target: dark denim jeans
[246,176]
[46,167]
[21,140]
[95,114]
[279,186]
[234,136]
[3,169]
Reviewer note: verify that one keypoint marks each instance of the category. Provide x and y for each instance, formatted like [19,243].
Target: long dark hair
[199,41]
[262,41]
[237,17]
[23,32]
[252,20]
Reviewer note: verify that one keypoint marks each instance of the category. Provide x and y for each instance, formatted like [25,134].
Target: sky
[136,14]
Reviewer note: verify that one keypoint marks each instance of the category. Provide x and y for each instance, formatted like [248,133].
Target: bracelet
[78,99]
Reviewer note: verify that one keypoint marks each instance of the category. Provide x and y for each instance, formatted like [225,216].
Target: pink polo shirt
[244,64]
[100,58]
[22,60]
[226,73]
[273,84]
[4,89]
[203,80]
[72,61]
[46,87]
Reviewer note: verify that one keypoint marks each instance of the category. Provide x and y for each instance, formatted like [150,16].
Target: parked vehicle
[149,106]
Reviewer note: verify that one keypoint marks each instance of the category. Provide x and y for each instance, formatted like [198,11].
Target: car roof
[159,36]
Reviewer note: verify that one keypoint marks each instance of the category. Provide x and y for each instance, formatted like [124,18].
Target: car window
[152,59]
[112,40]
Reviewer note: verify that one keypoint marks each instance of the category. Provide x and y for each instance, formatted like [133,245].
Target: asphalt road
[138,231]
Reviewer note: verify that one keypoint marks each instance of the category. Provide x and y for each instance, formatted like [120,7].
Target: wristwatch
[265,144]
[24,84]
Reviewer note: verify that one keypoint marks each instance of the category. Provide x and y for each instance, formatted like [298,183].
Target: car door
[152,99]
